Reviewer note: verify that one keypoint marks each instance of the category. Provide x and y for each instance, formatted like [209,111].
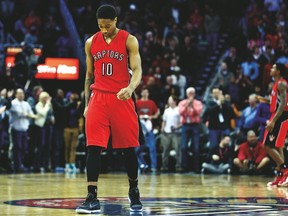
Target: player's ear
[115,19]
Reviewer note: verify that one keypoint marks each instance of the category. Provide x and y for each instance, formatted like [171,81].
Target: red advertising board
[58,68]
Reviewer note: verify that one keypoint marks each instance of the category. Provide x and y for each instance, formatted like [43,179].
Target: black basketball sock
[133,183]
[93,190]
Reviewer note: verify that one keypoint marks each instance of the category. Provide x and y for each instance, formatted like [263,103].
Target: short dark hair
[106,12]
[282,69]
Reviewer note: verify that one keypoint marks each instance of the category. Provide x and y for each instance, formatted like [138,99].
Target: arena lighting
[9,61]
[58,68]
[12,51]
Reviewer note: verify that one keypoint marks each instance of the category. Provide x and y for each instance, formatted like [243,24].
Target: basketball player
[110,104]
[276,128]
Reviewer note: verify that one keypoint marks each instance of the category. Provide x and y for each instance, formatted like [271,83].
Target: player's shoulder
[282,83]
[90,39]
[131,37]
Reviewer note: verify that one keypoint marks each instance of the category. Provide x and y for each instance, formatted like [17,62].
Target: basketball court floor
[164,194]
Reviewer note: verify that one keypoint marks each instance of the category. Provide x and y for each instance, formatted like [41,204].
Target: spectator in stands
[234,91]
[250,68]
[148,113]
[190,110]
[220,158]
[63,45]
[283,58]
[25,66]
[212,24]
[218,115]
[7,9]
[71,132]
[44,132]
[248,120]
[267,44]
[30,36]
[60,107]
[232,60]
[272,6]
[196,19]
[20,113]
[33,20]
[33,130]
[171,134]
[245,85]
[262,116]
[223,77]
[154,90]
[188,51]
[252,157]
[178,78]
[19,28]
[273,37]
[5,104]
[169,89]
[51,32]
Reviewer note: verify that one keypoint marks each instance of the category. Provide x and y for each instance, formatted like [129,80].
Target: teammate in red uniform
[110,109]
[276,128]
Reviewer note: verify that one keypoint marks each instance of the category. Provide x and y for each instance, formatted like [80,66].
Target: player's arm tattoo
[282,88]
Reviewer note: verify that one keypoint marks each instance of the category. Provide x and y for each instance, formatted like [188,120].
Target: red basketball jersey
[275,97]
[110,62]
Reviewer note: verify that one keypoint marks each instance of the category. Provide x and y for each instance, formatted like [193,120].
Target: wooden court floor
[164,194]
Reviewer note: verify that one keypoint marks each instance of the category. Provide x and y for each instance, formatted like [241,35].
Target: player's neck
[276,78]
[113,35]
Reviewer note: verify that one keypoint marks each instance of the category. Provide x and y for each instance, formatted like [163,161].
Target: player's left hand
[124,94]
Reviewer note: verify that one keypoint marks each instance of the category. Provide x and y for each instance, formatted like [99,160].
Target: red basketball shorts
[277,137]
[107,115]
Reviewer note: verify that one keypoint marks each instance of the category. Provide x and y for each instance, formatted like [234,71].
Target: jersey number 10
[107,69]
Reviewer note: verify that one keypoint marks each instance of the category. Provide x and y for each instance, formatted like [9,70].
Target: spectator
[262,116]
[245,86]
[179,79]
[220,158]
[232,60]
[20,113]
[5,104]
[190,110]
[60,106]
[33,20]
[63,45]
[44,132]
[218,115]
[171,134]
[33,130]
[148,112]
[25,66]
[71,132]
[31,37]
[250,68]
[212,24]
[223,77]
[169,89]
[248,120]
[19,28]
[252,156]
[283,59]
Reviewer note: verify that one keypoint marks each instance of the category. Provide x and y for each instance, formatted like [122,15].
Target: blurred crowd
[42,129]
